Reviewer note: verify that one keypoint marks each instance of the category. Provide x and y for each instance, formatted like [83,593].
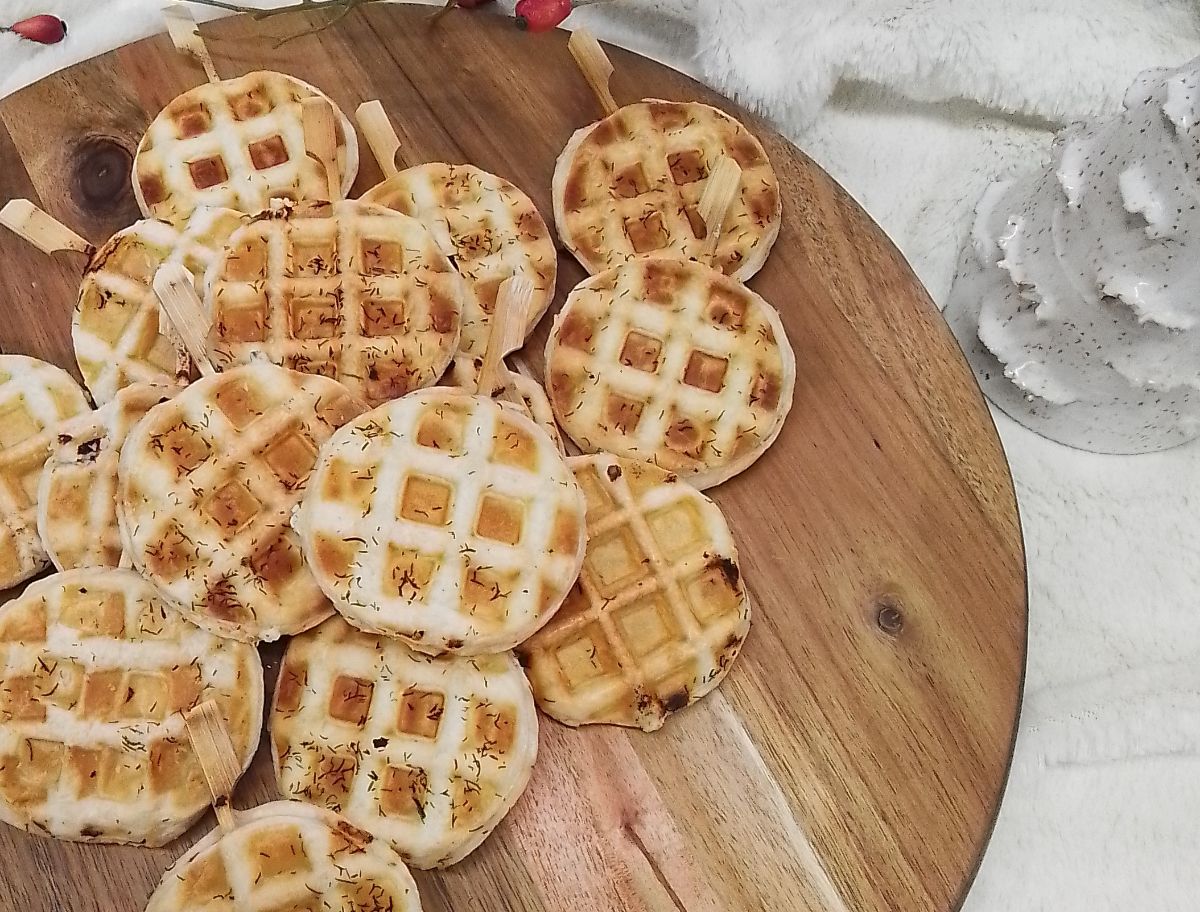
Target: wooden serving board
[855,757]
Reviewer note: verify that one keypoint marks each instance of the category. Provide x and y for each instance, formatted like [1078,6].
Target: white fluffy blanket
[915,105]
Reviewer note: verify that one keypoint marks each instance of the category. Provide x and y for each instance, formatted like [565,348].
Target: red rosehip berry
[43,29]
[542,15]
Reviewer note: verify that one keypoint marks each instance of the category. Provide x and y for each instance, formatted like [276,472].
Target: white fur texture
[915,106]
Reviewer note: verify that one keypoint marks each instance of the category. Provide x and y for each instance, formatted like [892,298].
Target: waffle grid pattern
[659,613]
[287,857]
[428,753]
[237,143]
[35,398]
[77,510]
[351,291]
[672,363]
[495,232]
[631,184]
[95,674]
[207,484]
[446,520]
[115,327]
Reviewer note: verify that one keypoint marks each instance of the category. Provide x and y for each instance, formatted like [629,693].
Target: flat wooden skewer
[597,68]
[177,294]
[376,128]
[214,749]
[320,140]
[41,229]
[724,183]
[505,336]
[185,35]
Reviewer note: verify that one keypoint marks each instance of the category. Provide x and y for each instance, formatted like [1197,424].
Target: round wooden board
[855,757]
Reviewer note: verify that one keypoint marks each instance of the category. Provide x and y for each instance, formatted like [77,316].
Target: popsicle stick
[374,125]
[40,229]
[724,183]
[320,139]
[505,336]
[185,35]
[596,67]
[215,751]
[177,294]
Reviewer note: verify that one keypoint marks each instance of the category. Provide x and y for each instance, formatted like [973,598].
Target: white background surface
[914,106]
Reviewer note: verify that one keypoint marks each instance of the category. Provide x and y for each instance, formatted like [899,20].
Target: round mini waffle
[427,752]
[96,673]
[347,290]
[287,857]
[237,143]
[116,323]
[77,494]
[631,184]
[446,520]
[35,399]
[206,486]
[659,612]
[670,362]
[496,232]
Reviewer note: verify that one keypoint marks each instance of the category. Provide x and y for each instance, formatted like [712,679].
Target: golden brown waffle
[77,494]
[287,857]
[35,399]
[446,520]
[631,184]
[116,324]
[670,362]
[237,143]
[96,673]
[659,612]
[496,233]
[207,482]
[428,753]
[350,291]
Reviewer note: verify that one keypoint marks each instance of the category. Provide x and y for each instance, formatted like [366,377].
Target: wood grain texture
[855,757]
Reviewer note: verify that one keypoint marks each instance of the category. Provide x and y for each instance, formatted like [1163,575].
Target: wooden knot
[100,168]
[888,615]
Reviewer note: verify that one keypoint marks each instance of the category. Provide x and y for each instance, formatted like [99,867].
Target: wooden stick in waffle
[185,35]
[490,227]
[177,295]
[116,327]
[287,855]
[348,290]
[41,229]
[206,486]
[428,753]
[237,143]
[446,520]
[597,69]
[671,362]
[630,185]
[96,673]
[36,398]
[217,757]
[320,141]
[505,336]
[76,500]
[659,612]
[720,190]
